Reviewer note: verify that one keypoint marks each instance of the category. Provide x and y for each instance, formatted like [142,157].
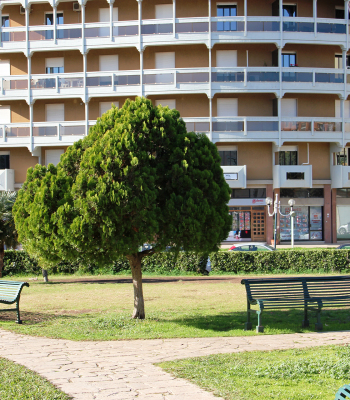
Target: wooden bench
[308,293]
[10,292]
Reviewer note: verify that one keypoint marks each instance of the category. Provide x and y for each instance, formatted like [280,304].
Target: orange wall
[74,109]
[73,61]
[128,58]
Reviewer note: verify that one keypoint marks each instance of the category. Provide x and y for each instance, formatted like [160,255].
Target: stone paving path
[124,369]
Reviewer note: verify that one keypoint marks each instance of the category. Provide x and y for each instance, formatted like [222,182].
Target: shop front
[248,210]
[308,220]
[343,214]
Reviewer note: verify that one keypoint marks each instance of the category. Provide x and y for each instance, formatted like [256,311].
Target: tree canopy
[8,233]
[138,177]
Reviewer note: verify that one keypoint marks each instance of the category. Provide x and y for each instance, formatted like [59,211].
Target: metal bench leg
[18,316]
[259,327]
[306,322]
[248,324]
[319,325]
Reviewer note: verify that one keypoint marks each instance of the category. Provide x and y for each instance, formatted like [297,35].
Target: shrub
[297,261]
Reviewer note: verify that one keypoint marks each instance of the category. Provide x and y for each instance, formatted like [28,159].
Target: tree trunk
[2,255]
[46,279]
[139,305]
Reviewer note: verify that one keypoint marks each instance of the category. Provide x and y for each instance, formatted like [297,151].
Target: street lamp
[277,209]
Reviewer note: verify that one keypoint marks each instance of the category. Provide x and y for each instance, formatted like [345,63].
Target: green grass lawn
[301,374]
[101,310]
[19,383]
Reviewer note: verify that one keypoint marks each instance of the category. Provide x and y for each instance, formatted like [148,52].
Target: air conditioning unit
[22,10]
[76,6]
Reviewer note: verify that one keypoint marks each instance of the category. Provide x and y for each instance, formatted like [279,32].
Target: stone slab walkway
[125,369]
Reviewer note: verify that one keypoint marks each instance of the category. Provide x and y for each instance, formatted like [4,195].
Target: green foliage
[8,234]
[137,177]
[316,261]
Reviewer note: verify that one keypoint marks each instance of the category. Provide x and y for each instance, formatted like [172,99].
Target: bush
[297,261]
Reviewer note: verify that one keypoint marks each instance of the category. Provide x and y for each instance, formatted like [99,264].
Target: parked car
[251,247]
[343,229]
[345,246]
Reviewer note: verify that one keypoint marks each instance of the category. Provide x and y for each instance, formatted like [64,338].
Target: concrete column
[174,18]
[87,117]
[327,212]
[83,26]
[30,126]
[334,215]
[139,3]
[141,73]
[111,20]
[269,220]
[210,119]
[55,24]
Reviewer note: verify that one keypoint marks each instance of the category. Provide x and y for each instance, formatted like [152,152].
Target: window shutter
[104,14]
[5,114]
[5,68]
[164,11]
[54,112]
[109,63]
[57,62]
[226,58]
[165,60]
[53,156]
[289,107]
[166,102]
[106,105]
[227,107]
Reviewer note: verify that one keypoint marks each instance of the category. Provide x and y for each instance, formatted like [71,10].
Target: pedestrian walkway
[125,369]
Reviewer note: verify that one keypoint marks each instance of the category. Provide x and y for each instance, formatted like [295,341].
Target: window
[49,21]
[5,115]
[295,176]
[343,193]
[289,60]
[54,65]
[49,18]
[289,107]
[289,10]
[226,58]
[227,10]
[54,112]
[228,157]
[338,61]
[302,193]
[106,105]
[342,157]
[5,21]
[165,60]
[288,158]
[53,156]
[109,63]
[4,160]
[339,13]
[256,193]
[105,15]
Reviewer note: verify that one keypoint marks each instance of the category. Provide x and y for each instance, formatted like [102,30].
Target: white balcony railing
[292,176]
[236,176]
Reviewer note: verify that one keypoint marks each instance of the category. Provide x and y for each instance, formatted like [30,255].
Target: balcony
[236,176]
[187,30]
[340,176]
[7,180]
[292,176]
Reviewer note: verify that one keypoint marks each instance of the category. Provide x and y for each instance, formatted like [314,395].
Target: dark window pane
[5,22]
[228,157]
[302,193]
[289,10]
[295,175]
[4,161]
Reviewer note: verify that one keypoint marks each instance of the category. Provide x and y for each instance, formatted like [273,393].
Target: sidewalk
[124,369]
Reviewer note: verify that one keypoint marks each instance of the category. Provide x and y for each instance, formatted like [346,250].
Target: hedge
[297,261]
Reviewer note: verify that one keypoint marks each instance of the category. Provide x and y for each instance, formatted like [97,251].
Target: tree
[138,177]
[8,234]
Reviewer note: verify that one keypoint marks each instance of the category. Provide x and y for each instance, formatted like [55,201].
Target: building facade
[266,80]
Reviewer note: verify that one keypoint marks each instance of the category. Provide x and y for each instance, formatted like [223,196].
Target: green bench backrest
[297,287]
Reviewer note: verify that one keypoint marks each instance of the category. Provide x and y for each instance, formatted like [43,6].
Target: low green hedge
[298,261]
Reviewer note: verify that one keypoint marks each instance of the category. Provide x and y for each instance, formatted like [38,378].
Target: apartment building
[266,80]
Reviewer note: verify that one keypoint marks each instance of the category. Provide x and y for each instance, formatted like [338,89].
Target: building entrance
[248,223]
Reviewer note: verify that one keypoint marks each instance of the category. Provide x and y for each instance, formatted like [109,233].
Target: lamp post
[291,203]
[276,210]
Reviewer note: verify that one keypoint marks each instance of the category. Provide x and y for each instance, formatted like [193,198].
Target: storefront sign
[231,177]
[247,202]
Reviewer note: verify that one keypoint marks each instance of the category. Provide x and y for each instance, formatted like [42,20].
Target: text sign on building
[231,177]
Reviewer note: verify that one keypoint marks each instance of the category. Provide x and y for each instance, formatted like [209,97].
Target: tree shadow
[34,318]
[274,321]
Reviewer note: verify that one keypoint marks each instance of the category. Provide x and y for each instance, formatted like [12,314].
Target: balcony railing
[183,26]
